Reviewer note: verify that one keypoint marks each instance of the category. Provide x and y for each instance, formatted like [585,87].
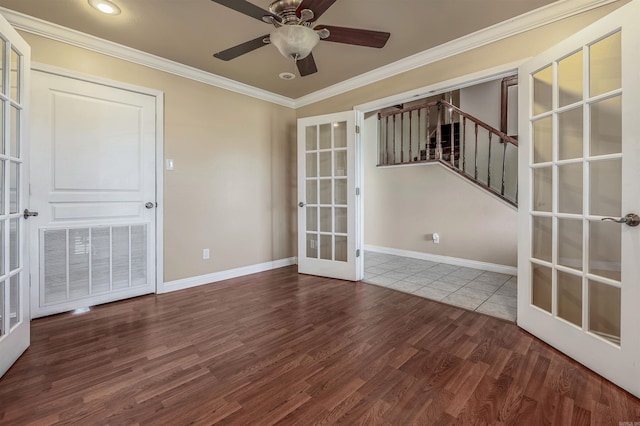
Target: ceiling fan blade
[317,6]
[307,65]
[355,36]
[247,8]
[241,49]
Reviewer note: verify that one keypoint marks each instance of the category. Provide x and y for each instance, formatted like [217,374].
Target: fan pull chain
[295,65]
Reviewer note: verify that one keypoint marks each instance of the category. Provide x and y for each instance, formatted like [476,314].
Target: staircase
[441,132]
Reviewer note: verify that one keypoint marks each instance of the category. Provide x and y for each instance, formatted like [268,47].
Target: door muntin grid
[326,191]
[575,170]
[11,175]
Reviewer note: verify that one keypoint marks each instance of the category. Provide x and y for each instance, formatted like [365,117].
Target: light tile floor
[482,291]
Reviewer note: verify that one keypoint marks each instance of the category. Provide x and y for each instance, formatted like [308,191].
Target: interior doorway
[417,238]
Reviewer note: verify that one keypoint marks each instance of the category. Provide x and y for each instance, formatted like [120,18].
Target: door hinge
[357,129]
[357,191]
[358,253]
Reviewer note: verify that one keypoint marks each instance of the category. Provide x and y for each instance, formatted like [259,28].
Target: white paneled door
[579,233]
[14,274]
[327,196]
[93,184]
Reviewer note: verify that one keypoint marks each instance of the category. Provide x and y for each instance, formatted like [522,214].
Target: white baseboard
[225,275]
[476,264]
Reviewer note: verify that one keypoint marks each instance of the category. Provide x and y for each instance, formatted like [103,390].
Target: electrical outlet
[436,238]
[205,254]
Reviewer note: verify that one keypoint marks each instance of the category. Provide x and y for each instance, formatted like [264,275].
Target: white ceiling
[190,31]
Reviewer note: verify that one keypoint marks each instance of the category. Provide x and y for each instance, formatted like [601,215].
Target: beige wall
[405,205]
[234,177]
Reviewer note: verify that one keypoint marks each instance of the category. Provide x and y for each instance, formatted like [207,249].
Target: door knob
[27,214]
[149,205]
[300,204]
[631,219]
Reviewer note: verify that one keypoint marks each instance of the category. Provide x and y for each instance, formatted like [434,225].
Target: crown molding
[56,32]
[537,18]
[531,20]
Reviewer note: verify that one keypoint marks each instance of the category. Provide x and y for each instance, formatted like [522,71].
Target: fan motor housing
[286,10]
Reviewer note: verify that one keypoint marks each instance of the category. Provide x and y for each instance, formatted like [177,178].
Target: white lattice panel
[81,262]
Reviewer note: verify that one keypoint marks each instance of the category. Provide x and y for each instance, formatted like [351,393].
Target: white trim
[479,77]
[534,19]
[528,21]
[62,34]
[467,263]
[225,275]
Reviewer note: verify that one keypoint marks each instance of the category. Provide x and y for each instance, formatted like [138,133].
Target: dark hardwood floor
[278,347]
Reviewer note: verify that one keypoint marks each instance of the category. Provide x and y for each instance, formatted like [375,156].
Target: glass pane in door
[311,138]
[14,187]
[605,189]
[542,140]
[570,297]
[325,136]
[14,244]
[15,75]
[606,126]
[542,180]
[14,134]
[2,67]
[541,241]
[570,188]
[604,311]
[570,134]
[14,300]
[542,90]
[570,79]
[605,249]
[312,246]
[605,65]
[326,247]
[570,243]
[325,191]
[541,287]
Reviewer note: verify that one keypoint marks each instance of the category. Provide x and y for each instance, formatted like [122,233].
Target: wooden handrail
[481,123]
[408,109]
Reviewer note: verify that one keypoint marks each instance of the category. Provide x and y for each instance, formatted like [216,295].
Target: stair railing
[408,135]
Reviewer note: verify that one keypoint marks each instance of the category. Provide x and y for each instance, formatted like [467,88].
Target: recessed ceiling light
[287,76]
[105,6]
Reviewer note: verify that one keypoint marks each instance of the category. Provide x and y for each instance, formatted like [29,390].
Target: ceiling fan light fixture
[294,41]
[105,6]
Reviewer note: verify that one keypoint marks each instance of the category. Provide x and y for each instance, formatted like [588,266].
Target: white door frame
[159,170]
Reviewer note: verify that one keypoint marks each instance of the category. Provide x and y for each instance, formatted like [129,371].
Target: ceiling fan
[296,33]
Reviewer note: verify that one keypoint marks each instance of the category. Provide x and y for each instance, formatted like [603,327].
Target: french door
[14,278]
[579,245]
[327,196]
